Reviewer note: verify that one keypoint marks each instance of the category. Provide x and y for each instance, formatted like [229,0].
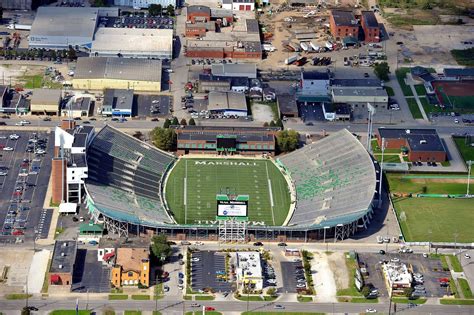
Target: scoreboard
[232,208]
[226,143]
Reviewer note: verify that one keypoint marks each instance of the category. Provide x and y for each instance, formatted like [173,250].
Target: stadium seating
[334,179]
[125,175]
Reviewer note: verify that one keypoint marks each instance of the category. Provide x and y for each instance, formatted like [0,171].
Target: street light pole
[381,173]
[469,163]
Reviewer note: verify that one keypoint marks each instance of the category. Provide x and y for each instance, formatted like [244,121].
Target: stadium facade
[333,186]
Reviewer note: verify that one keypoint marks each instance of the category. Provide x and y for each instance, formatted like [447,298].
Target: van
[379,239]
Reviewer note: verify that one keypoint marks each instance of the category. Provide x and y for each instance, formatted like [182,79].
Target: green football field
[436,219]
[193,184]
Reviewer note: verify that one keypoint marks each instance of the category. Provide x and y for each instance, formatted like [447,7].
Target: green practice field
[443,217]
[193,184]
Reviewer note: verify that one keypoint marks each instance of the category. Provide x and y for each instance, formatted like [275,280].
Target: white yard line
[270,191]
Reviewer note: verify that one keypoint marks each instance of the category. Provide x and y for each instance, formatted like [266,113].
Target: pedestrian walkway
[410,83]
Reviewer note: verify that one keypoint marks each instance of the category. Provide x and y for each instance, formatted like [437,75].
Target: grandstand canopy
[334,180]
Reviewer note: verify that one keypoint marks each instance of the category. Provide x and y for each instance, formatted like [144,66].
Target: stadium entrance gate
[232,216]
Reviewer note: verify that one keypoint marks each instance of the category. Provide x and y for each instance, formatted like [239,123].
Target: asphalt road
[176,307]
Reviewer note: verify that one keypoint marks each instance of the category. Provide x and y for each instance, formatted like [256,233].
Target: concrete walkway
[409,81]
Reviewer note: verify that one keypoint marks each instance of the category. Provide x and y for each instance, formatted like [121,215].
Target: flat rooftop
[344,18]
[46,96]
[65,21]
[118,98]
[227,101]
[356,82]
[134,40]
[64,256]
[234,69]
[249,264]
[370,19]
[399,133]
[360,92]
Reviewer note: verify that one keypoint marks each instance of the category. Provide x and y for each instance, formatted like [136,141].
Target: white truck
[290,60]
[20,27]
[268,47]
[315,46]
[304,46]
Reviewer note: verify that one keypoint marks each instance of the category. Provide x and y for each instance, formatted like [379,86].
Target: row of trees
[41,54]
[274,123]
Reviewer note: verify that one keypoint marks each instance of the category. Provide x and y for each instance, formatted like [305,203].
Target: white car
[467,256]
[279,307]
[40,151]
[301,285]
[195,259]
[195,305]
[3,173]
[395,260]
[25,122]
[169,70]
[271,281]
[7,149]
[371,310]
[14,137]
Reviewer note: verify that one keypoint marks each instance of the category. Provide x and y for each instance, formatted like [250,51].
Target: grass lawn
[351,290]
[118,297]
[466,290]
[376,149]
[188,297]
[17,296]
[387,158]
[405,300]
[156,313]
[132,313]
[193,184]
[390,91]
[363,300]
[140,297]
[465,148]
[442,216]
[401,74]
[464,57]
[406,21]
[414,109]
[455,263]
[456,302]
[69,312]
[204,298]
[305,299]
[420,89]
[398,183]
[256,298]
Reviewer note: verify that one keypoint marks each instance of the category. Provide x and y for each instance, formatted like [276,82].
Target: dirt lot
[337,263]
[262,113]
[18,263]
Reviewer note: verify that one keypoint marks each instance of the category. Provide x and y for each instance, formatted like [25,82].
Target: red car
[17,193]
[209,308]
[17,232]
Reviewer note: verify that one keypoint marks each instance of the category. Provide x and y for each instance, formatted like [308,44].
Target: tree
[407,291]
[155,9]
[192,122]
[279,123]
[382,70]
[287,140]
[160,247]
[175,121]
[271,291]
[1,12]
[71,53]
[167,123]
[183,122]
[170,10]
[99,3]
[164,139]
[272,124]
[265,124]
[365,291]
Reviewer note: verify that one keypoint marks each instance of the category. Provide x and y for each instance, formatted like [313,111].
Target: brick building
[132,267]
[199,29]
[226,140]
[424,145]
[62,264]
[198,13]
[343,24]
[370,26]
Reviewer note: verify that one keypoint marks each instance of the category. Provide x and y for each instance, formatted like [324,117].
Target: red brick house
[343,24]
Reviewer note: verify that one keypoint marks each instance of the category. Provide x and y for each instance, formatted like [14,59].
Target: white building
[375,96]
[397,276]
[133,43]
[314,83]
[249,271]
[239,5]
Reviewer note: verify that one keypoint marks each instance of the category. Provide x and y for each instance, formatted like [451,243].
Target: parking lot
[291,271]
[431,270]
[23,182]
[206,267]
[151,105]
[89,274]
[137,22]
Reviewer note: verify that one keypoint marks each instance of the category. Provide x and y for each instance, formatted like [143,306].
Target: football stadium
[324,188]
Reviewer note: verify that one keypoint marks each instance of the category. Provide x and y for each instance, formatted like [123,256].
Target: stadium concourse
[334,180]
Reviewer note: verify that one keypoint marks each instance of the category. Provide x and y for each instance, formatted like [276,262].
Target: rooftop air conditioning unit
[422,141]
[60,266]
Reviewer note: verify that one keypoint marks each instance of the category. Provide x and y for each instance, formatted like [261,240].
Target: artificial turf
[193,184]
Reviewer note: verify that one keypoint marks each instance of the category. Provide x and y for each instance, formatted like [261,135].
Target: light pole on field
[469,163]
[381,174]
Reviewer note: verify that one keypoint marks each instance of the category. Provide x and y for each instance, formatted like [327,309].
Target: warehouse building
[209,83]
[45,101]
[62,264]
[133,43]
[199,29]
[343,24]
[356,83]
[144,3]
[287,105]
[377,97]
[101,73]
[198,13]
[370,26]
[60,27]
[117,102]
[241,140]
[227,104]
[248,70]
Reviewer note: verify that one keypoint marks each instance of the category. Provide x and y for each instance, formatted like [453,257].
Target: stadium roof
[133,40]
[118,68]
[335,181]
[344,18]
[65,21]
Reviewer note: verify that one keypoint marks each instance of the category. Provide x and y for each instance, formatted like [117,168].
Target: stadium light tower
[381,174]
[371,111]
[469,163]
